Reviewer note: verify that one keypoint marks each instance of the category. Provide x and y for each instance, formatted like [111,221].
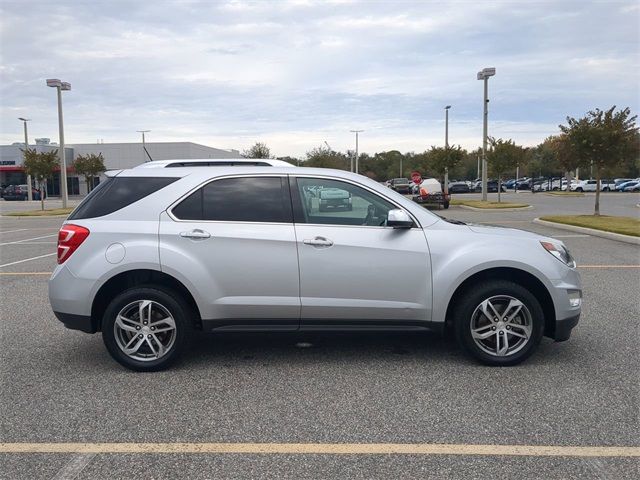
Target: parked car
[153,256]
[590,186]
[332,198]
[622,185]
[492,186]
[631,187]
[20,192]
[400,185]
[459,187]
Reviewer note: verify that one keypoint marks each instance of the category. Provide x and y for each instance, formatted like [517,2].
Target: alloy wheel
[501,325]
[145,330]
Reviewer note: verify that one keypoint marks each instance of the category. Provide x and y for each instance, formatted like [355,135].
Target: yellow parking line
[325,448]
[608,266]
[25,273]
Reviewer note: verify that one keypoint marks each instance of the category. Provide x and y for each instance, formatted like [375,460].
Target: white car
[590,186]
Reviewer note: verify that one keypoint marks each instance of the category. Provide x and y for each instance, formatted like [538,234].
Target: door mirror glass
[398,218]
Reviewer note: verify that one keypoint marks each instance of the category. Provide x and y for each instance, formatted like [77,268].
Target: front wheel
[145,328]
[499,323]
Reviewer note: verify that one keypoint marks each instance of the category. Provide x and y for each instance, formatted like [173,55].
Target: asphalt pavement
[59,385]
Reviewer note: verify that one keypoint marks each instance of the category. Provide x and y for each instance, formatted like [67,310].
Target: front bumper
[563,328]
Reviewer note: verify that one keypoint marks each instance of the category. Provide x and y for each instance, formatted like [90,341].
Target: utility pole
[26,147]
[446,148]
[60,86]
[484,74]
[357,165]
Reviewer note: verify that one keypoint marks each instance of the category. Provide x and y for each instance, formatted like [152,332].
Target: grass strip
[487,205]
[40,213]
[622,225]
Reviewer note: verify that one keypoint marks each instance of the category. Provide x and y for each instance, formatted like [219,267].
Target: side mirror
[398,218]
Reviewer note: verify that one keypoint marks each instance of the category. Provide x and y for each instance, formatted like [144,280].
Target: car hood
[502,231]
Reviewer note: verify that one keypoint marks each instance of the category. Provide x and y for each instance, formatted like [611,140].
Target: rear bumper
[77,322]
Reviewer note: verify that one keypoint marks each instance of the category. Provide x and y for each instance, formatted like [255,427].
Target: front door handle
[318,242]
[195,233]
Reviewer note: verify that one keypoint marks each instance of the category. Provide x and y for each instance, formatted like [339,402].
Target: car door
[232,240]
[354,270]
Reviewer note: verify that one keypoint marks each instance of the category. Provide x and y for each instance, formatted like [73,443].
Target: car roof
[250,161]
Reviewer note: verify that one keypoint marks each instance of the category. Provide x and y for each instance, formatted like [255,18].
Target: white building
[116,156]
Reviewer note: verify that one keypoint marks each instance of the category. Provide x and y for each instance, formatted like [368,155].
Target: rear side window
[116,193]
[248,199]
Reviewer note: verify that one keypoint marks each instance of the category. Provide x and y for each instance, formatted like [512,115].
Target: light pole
[60,86]
[484,74]
[26,147]
[356,132]
[446,148]
[144,148]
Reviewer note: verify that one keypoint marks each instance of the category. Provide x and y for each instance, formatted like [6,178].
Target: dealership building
[116,156]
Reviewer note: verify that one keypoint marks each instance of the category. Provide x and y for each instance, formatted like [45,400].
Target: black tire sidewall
[473,297]
[178,309]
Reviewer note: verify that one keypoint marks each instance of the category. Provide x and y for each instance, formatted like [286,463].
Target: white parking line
[27,259]
[13,231]
[27,239]
[571,236]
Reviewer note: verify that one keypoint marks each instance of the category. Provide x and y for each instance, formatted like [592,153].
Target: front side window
[340,203]
[245,199]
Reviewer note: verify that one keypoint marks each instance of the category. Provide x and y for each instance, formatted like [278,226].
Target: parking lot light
[484,74]
[60,86]
[26,147]
[446,148]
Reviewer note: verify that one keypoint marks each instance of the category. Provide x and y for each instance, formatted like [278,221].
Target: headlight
[560,252]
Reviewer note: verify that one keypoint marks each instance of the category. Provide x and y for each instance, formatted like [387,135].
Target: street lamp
[26,147]
[60,86]
[484,74]
[446,148]
[356,132]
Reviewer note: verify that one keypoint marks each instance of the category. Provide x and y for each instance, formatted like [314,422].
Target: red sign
[416,177]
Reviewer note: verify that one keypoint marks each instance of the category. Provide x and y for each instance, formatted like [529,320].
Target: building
[116,156]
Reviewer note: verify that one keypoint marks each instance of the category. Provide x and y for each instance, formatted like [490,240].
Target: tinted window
[340,203]
[116,193]
[251,199]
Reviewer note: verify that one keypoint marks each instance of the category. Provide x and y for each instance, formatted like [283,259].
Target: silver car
[153,255]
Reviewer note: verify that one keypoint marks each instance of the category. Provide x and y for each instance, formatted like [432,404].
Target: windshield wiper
[451,220]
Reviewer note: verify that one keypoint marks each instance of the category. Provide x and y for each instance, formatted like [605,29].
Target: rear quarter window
[116,193]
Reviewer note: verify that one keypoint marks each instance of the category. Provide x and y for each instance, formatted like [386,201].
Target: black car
[19,192]
[459,187]
[492,187]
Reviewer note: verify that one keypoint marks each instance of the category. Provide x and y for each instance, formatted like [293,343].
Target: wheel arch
[521,277]
[132,278]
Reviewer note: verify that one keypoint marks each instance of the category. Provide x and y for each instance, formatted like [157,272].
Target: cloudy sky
[294,74]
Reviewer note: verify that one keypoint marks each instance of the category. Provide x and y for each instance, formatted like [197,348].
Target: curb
[591,231]
[475,209]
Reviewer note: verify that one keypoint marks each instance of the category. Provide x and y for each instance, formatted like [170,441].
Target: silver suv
[153,255]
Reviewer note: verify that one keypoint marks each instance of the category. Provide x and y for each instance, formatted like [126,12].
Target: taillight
[70,237]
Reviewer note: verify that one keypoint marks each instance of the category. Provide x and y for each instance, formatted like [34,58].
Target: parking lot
[265,394]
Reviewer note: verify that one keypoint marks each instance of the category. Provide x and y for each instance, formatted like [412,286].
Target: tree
[258,150]
[442,159]
[40,165]
[503,156]
[325,157]
[89,166]
[604,140]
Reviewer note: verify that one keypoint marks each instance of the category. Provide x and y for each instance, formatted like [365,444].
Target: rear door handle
[195,233]
[318,242]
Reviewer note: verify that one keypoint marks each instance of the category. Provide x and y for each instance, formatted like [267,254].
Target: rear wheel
[579,189]
[499,323]
[145,328]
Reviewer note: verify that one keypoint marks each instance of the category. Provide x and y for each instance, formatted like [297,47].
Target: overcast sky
[294,74]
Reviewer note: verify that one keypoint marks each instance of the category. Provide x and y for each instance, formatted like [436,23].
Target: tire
[163,302]
[446,205]
[579,189]
[605,189]
[529,322]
